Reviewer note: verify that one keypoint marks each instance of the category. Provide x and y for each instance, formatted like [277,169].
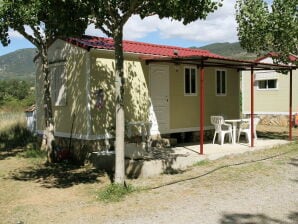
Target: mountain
[18,65]
[233,50]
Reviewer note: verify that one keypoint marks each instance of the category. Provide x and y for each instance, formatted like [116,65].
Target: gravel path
[261,193]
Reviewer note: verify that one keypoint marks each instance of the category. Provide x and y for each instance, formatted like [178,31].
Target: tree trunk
[48,112]
[120,119]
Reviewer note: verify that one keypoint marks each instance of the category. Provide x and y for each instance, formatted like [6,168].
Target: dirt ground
[256,187]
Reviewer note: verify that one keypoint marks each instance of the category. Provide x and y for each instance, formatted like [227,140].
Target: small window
[190,81]
[267,84]
[58,86]
[221,83]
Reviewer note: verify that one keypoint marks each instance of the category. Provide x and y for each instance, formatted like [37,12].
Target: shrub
[33,153]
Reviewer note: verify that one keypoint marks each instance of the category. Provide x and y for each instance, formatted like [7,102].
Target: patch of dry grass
[9,120]
[13,131]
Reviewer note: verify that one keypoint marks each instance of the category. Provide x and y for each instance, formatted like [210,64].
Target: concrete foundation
[174,160]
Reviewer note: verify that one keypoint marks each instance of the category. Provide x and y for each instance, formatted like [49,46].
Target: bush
[33,153]
[16,94]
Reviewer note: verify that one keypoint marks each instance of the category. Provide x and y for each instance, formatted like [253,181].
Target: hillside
[18,65]
[233,50]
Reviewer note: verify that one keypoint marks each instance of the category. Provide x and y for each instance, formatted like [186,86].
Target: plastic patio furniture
[221,128]
[245,128]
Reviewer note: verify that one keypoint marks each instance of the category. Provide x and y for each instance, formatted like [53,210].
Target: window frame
[267,89]
[62,83]
[226,82]
[190,81]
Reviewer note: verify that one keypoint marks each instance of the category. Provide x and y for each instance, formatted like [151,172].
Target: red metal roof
[292,57]
[140,47]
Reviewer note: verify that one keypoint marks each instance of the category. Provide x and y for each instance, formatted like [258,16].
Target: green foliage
[115,192]
[42,19]
[16,94]
[33,153]
[263,30]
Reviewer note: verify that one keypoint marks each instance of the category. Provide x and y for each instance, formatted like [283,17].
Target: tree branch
[106,31]
[29,37]
[134,7]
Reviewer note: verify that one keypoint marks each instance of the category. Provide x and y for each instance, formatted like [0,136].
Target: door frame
[168,92]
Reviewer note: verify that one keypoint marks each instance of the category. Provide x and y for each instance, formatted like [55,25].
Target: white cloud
[14,34]
[218,27]
[136,28]
[91,30]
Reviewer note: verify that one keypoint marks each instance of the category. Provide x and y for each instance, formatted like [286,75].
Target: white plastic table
[234,126]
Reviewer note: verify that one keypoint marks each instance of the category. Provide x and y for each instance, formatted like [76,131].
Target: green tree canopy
[16,92]
[42,21]
[264,29]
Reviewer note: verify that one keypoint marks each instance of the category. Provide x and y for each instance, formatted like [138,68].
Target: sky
[219,26]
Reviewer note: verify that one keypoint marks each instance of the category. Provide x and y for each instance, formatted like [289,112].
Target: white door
[159,92]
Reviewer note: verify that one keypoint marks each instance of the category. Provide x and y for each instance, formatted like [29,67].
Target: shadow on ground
[16,136]
[294,162]
[62,175]
[274,135]
[257,219]
[4,154]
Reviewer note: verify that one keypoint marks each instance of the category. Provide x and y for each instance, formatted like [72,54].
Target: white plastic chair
[245,128]
[221,128]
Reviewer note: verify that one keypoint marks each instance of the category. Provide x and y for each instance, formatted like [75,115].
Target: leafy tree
[111,15]
[41,22]
[263,29]
[17,89]
[16,92]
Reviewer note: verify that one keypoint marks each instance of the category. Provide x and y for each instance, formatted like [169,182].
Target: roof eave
[222,62]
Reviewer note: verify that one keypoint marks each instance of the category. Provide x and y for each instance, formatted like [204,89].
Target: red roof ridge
[166,46]
[87,42]
[292,57]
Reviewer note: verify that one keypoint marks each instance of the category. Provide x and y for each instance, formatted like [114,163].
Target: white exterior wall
[270,101]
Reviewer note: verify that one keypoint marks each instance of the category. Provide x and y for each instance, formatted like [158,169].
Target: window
[190,81]
[221,83]
[58,84]
[267,84]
